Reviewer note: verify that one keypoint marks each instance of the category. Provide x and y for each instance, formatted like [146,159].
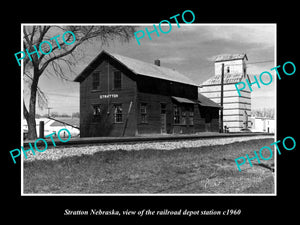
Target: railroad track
[149,138]
[89,146]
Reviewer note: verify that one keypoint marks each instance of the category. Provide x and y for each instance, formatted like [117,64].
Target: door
[163,118]
[208,119]
[163,121]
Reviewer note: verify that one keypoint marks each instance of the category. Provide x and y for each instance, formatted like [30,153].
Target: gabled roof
[227,57]
[228,79]
[138,68]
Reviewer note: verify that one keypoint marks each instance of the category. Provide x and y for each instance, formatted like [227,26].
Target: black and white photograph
[131,115]
[161,117]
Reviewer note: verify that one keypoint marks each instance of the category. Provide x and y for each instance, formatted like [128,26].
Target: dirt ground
[201,170]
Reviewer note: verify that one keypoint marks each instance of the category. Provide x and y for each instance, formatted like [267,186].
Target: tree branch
[56,47]
[41,70]
[32,33]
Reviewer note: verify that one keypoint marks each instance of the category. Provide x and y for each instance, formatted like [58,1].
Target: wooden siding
[106,126]
[164,87]
[136,90]
[208,126]
[153,124]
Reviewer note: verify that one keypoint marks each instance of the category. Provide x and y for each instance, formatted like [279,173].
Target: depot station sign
[109,96]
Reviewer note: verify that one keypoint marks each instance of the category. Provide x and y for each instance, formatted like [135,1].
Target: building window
[96,112]
[163,108]
[118,113]
[183,117]
[176,115]
[191,120]
[228,70]
[117,80]
[143,111]
[96,81]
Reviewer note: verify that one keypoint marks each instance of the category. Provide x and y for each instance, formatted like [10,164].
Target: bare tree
[61,53]
[264,112]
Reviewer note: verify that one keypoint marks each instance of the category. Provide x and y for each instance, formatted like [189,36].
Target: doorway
[208,119]
[163,118]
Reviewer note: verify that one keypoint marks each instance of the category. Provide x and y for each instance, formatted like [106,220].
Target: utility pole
[49,111]
[222,86]
[41,129]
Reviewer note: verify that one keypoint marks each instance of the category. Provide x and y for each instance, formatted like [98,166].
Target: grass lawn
[200,170]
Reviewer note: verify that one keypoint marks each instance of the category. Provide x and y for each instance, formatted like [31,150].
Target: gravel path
[56,153]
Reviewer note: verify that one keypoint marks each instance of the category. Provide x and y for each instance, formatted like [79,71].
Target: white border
[22,113]
[150,24]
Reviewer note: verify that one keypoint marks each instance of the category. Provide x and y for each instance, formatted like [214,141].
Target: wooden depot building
[121,96]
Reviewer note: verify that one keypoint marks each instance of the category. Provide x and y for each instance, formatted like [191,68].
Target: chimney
[157,62]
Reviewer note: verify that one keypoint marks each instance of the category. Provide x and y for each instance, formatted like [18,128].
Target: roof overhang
[183,100]
[206,102]
[229,57]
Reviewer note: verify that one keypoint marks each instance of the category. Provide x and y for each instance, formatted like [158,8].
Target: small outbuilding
[121,96]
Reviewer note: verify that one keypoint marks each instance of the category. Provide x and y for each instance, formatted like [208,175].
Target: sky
[189,49]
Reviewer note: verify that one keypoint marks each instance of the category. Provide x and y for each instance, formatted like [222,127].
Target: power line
[257,62]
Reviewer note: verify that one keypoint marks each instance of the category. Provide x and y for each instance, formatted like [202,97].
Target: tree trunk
[31,127]
[30,117]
